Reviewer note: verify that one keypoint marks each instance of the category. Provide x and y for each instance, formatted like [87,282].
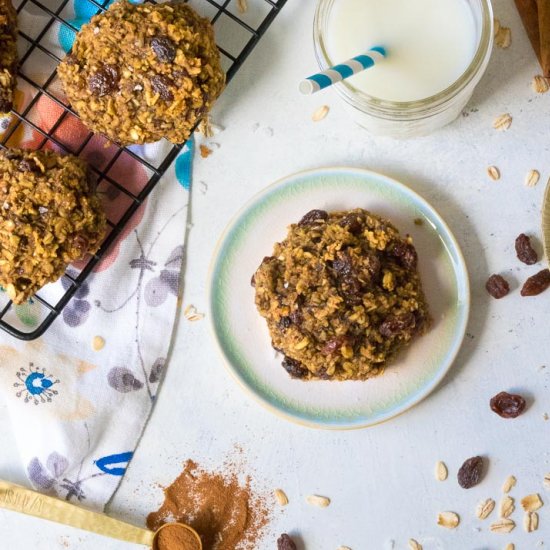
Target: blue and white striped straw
[337,73]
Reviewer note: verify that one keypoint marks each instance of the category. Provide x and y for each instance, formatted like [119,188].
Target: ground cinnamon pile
[225,512]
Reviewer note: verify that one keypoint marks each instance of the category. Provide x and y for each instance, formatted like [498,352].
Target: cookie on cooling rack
[8,55]
[139,73]
[50,216]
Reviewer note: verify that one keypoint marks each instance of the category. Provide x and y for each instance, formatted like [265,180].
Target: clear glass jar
[411,118]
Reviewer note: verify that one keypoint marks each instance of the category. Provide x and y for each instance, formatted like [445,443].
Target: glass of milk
[438,51]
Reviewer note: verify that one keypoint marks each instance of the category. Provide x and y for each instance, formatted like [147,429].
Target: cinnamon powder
[227,514]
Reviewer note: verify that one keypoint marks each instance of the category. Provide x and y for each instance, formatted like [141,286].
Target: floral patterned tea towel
[80,396]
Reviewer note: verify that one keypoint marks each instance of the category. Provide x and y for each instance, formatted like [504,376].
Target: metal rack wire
[240,31]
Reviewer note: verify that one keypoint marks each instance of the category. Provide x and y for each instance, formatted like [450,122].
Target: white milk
[430,44]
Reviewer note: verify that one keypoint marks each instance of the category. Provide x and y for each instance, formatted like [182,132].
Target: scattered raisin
[524,250]
[406,254]
[353,223]
[537,283]
[507,405]
[294,368]
[104,81]
[470,472]
[161,85]
[497,286]
[394,325]
[347,278]
[164,49]
[284,542]
[313,216]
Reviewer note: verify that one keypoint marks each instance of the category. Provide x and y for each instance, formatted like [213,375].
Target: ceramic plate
[242,334]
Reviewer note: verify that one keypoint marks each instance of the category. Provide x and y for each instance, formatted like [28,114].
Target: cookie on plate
[50,216]
[341,295]
[139,73]
[8,56]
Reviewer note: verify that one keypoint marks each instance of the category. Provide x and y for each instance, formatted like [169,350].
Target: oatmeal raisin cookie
[139,73]
[8,55]
[341,295]
[50,216]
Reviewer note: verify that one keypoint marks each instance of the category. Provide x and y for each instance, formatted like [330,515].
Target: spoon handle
[17,498]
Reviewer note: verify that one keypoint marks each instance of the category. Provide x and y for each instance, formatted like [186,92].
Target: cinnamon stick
[535,15]
[544,31]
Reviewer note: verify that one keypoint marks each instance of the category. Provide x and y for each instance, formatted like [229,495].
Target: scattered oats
[441,471]
[320,113]
[191,313]
[205,128]
[414,545]
[545,416]
[98,343]
[205,151]
[532,178]
[242,5]
[343,548]
[281,497]
[502,122]
[504,525]
[496,26]
[418,221]
[493,172]
[540,84]
[531,503]
[510,546]
[531,521]
[546,481]
[503,38]
[506,507]
[449,520]
[485,508]
[317,500]
[508,484]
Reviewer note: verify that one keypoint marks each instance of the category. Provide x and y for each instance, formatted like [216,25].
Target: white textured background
[380,480]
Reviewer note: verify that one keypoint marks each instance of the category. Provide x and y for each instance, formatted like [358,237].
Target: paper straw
[344,70]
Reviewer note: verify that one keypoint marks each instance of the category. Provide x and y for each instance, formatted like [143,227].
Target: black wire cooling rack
[239,25]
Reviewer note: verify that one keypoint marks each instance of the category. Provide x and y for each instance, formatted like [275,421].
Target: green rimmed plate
[242,335]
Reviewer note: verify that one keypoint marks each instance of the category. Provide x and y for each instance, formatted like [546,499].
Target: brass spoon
[19,499]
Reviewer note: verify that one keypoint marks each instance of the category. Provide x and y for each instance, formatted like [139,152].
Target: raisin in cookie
[139,73]
[341,295]
[8,56]
[50,216]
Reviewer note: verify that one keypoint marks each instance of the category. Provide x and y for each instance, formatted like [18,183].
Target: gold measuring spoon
[19,499]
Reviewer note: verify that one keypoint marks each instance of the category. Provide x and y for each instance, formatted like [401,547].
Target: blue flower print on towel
[34,385]
[184,164]
[111,464]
